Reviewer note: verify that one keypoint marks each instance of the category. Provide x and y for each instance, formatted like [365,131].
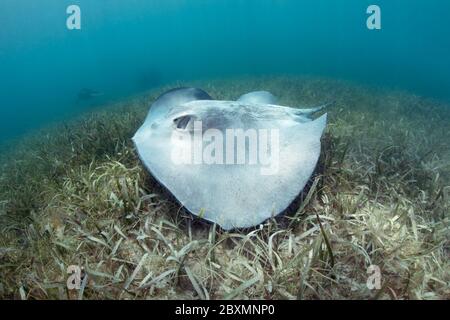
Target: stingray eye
[183,122]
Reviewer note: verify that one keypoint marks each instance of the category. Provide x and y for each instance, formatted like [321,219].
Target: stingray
[234,163]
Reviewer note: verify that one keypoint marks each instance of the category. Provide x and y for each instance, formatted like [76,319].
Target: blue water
[124,47]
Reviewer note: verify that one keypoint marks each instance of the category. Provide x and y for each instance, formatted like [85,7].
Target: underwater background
[125,47]
[73,192]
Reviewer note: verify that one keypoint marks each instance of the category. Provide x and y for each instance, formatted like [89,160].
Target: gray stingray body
[232,194]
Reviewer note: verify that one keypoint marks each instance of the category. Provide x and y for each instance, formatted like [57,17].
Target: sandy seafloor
[75,193]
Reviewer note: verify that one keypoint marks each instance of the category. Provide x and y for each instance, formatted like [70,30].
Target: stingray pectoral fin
[258,97]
